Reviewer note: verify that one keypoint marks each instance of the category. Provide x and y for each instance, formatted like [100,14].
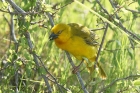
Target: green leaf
[136,82]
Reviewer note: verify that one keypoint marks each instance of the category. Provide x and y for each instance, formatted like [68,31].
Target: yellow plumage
[77,40]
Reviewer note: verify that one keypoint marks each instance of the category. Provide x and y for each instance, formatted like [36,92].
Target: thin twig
[103,38]
[111,2]
[24,13]
[50,18]
[64,5]
[113,82]
[12,30]
[102,7]
[98,29]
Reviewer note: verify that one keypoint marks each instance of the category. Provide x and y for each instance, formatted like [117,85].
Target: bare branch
[50,18]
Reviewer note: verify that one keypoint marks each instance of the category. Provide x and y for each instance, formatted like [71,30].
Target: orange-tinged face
[60,33]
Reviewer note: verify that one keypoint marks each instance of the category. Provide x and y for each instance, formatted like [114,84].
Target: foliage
[29,58]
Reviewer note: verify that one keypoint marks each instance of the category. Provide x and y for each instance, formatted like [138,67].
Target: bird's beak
[53,36]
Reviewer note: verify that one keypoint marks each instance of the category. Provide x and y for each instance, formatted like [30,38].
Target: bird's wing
[92,39]
[89,36]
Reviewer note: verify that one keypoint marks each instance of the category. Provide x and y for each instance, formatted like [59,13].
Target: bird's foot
[76,68]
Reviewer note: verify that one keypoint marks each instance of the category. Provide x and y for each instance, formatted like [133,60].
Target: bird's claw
[75,69]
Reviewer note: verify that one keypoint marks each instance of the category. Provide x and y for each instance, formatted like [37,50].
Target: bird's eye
[59,32]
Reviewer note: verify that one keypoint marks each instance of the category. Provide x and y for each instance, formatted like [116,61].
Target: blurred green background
[119,56]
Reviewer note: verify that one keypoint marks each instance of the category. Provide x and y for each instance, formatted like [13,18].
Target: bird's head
[60,32]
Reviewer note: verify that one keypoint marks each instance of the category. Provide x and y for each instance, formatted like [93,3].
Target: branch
[102,7]
[50,18]
[77,73]
[16,7]
[12,30]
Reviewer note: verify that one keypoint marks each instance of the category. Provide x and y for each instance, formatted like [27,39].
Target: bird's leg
[76,68]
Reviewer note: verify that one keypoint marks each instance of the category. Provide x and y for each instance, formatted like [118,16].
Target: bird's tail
[95,71]
[101,71]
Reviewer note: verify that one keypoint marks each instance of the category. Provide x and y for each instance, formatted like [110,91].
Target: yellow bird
[79,41]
